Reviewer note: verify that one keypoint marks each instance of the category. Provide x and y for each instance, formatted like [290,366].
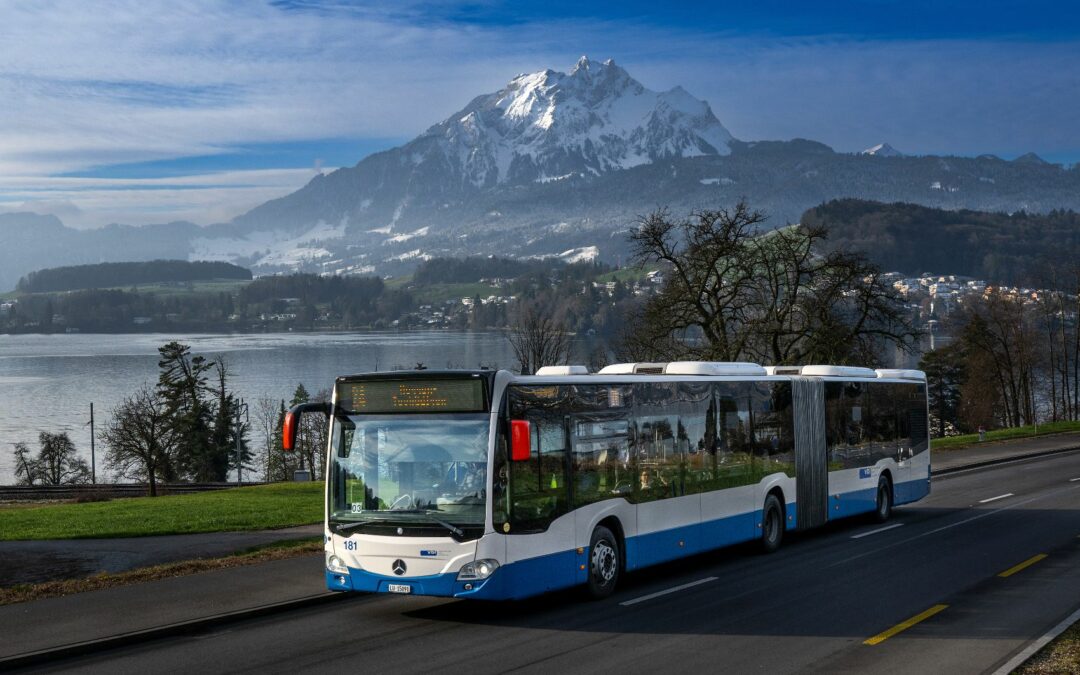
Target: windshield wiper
[450,526]
[350,526]
[383,521]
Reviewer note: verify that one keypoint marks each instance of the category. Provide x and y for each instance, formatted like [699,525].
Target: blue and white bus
[485,484]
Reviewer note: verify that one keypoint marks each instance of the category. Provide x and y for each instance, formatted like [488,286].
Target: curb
[1002,460]
[181,628]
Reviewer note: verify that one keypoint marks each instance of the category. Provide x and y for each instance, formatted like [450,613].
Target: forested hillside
[1016,248]
[120,274]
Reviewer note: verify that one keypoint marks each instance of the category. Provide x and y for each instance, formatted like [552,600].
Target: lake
[47,382]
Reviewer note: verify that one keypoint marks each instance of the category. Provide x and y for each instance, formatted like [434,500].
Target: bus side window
[696,435]
[658,455]
[732,466]
[774,437]
[538,485]
[600,458]
[883,427]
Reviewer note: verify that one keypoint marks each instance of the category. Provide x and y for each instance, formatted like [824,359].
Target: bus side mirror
[292,421]
[520,441]
[288,431]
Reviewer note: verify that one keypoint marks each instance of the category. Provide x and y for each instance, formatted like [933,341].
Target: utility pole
[93,461]
[241,411]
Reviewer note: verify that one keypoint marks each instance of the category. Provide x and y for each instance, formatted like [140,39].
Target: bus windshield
[419,474]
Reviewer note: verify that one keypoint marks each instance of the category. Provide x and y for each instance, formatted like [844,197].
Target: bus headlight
[336,564]
[478,570]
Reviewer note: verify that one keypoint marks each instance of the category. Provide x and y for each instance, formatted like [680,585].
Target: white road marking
[1035,646]
[676,589]
[994,499]
[1073,480]
[880,529]
[980,516]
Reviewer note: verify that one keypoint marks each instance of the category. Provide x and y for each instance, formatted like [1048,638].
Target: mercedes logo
[400,531]
[399,567]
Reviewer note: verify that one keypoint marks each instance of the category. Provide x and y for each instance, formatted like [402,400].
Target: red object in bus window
[520,441]
[288,431]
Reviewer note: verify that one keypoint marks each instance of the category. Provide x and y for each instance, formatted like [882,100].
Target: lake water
[47,382]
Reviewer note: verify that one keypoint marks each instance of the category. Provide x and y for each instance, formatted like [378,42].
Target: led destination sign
[412,396]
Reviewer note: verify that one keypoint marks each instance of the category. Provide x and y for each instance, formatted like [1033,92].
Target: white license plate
[399,588]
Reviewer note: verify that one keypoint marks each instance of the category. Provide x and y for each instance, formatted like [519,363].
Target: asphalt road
[809,608]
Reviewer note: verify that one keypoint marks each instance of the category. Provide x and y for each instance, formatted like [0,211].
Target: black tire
[772,524]
[884,500]
[605,563]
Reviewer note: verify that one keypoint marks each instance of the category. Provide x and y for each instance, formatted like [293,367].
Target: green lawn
[629,273]
[249,508]
[439,293]
[230,286]
[956,442]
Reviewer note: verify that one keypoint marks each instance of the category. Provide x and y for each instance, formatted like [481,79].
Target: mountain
[1030,158]
[30,242]
[882,150]
[551,165]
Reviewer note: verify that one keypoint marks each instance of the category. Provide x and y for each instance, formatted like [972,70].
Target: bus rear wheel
[605,563]
[772,524]
[884,500]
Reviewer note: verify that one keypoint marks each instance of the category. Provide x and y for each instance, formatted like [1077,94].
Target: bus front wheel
[884,500]
[772,524]
[605,563]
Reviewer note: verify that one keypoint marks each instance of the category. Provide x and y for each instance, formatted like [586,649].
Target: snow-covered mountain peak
[882,150]
[593,119]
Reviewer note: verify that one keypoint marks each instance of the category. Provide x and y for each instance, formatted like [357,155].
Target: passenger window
[538,486]
[774,434]
[658,454]
[601,458]
[846,436]
[696,435]
[732,464]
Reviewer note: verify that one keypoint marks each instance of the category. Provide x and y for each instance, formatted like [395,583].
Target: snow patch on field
[269,247]
[415,254]
[406,236]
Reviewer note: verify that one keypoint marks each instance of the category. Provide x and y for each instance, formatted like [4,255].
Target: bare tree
[267,411]
[58,461]
[537,339]
[732,293]
[140,438]
[27,469]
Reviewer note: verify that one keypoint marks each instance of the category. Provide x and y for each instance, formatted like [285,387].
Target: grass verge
[261,507]
[1060,656]
[279,550]
[967,440]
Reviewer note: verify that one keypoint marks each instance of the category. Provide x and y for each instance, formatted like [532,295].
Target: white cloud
[94,202]
[94,84]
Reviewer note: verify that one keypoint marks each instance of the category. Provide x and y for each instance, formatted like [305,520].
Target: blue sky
[153,111]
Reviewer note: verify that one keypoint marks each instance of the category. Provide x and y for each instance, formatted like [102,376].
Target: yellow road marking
[904,625]
[1022,566]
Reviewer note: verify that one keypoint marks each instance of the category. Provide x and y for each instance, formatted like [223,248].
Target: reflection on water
[47,382]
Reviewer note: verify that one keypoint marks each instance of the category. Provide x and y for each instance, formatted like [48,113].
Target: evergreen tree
[944,369]
[182,384]
[280,464]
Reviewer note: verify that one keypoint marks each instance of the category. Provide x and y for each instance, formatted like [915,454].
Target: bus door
[540,532]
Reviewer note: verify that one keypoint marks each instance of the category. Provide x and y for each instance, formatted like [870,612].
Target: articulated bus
[488,485]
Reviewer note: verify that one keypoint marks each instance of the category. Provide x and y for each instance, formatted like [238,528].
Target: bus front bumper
[441,585]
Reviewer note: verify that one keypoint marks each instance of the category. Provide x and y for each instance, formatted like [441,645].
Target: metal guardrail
[105,490]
